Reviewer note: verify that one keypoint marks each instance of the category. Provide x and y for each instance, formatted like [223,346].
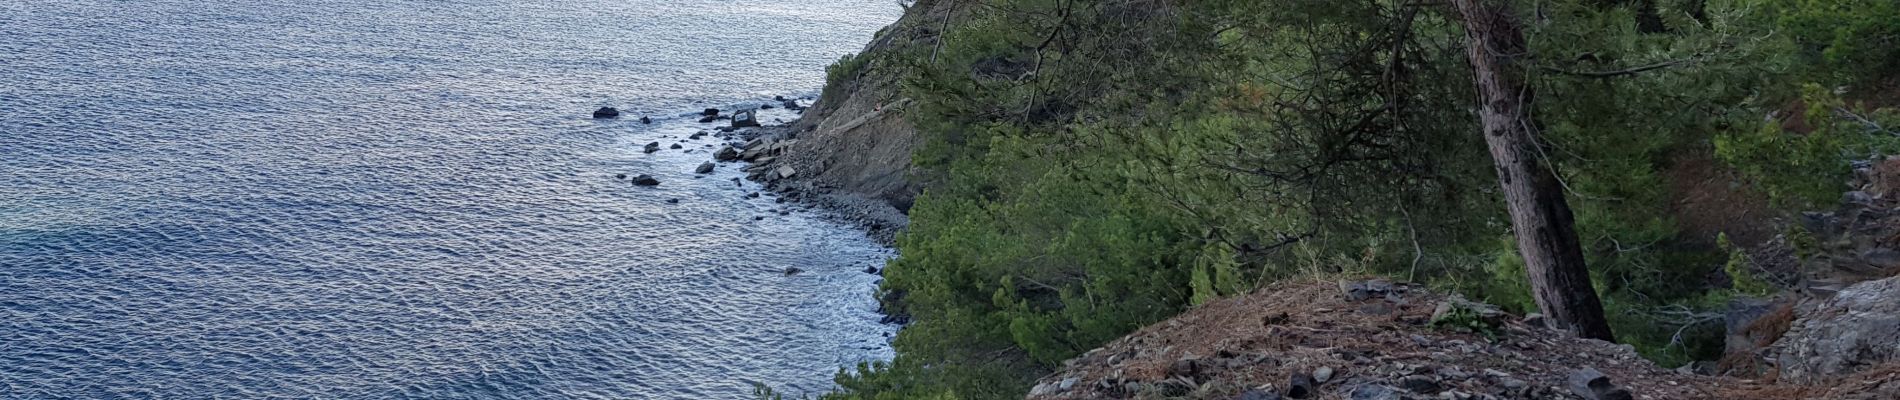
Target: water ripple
[406,199]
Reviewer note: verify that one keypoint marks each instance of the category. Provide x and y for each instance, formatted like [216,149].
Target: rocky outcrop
[1375,339]
[1856,330]
[855,138]
[1859,241]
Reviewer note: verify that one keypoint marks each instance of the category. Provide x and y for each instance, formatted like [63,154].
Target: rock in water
[727,154]
[789,271]
[745,119]
[704,168]
[653,147]
[645,180]
[606,112]
[645,120]
[708,118]
[710,112]
[676,146]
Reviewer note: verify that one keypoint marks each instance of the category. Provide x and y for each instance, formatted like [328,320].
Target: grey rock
[652,147]
[1421,384]
[1257,394]
[645,180]
[789,271]
[606,112]
[704,168]
[1067,383]
[1374,392]
[1323,374]
[745,119]
[727,154]
[1592,385]
[676,146]
[1855,330]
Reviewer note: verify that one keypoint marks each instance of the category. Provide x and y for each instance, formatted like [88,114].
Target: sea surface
[369,199]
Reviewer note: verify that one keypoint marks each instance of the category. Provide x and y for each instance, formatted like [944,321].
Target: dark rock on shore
[606,112]
[745,119]
[645,180]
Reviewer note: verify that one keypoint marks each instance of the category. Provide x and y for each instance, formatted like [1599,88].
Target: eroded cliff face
[855,140]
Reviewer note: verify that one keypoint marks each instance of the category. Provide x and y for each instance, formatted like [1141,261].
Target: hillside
[1057,174]
[1312,340]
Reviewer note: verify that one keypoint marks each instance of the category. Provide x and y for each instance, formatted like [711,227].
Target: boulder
[1374,392]
[745,119]
[1590,384]
[1855,330]
[645,180]
[704,168]
[606,112]
[652,147]
[727,154]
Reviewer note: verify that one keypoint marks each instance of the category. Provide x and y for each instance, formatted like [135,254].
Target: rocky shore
[771,154]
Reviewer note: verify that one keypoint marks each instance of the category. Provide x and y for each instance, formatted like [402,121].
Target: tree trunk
[1540,217]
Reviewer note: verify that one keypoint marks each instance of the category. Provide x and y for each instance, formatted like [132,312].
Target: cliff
[852,148]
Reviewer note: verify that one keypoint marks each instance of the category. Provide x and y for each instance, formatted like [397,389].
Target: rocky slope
[1378,340]
[851,150]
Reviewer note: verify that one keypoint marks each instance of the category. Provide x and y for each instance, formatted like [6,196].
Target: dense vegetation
[1096,165]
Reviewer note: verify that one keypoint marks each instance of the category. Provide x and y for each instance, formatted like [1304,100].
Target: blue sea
[369,199]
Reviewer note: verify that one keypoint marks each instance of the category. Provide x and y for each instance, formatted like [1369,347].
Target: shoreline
[761,149]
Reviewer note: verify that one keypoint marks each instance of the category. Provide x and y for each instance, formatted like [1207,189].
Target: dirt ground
[1277,340]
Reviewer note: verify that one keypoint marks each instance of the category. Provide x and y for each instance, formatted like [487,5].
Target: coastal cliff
[852,148]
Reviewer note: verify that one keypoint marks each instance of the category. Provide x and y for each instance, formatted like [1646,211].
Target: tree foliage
[1093,166]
